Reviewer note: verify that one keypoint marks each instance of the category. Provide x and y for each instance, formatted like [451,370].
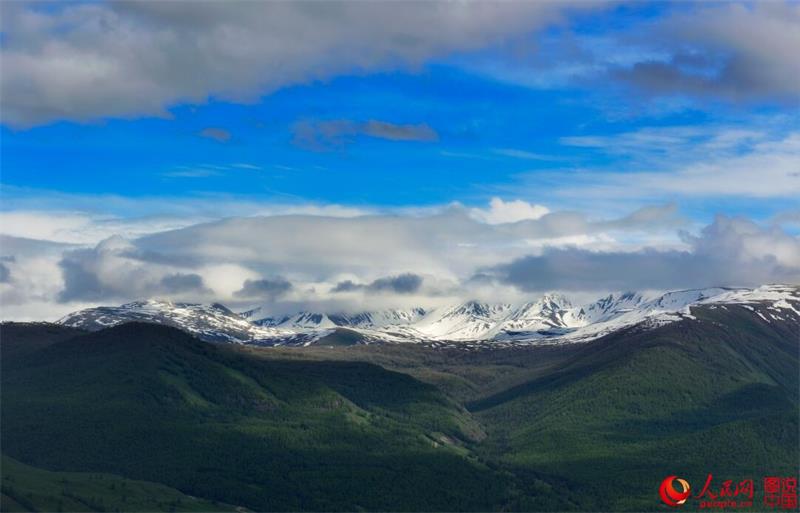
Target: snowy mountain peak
[379,318]
[551,318]
[551,311]
[147,303]
[369,319]
[210,322]
[467,321]
[478,309]
[308,320]
[610,306]
[554,299]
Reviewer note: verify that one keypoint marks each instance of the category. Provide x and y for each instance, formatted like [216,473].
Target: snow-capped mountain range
[551,318]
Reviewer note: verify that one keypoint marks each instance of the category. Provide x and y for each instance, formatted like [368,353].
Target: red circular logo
[670,495]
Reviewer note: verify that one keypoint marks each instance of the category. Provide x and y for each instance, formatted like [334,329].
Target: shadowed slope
[150,402]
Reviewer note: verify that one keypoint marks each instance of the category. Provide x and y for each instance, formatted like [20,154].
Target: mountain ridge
[551,318]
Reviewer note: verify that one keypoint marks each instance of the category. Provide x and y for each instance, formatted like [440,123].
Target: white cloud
[733,51]
[88,219]
[743,240]
[738,51]
[138,58]
[692,163]
[525,155]
[772,169]
[406,257]
[448,243]
[53,226]
[72,227]
[133,59]
[500,211]
[416,257]
[728,252]
[34,280]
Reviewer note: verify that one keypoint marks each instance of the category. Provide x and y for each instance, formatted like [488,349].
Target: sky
[352,155]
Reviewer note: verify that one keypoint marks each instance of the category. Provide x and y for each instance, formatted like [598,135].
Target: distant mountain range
[550,319]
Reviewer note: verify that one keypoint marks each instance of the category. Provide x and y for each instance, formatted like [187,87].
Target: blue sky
[196,112]
[489,134]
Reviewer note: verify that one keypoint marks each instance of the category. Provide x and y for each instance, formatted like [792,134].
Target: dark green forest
[143,417]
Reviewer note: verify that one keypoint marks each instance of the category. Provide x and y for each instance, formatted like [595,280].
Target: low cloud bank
[300,261]
[728,252]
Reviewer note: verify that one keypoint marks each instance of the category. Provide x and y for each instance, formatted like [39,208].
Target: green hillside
[717,395]
[25,488]
[149,402]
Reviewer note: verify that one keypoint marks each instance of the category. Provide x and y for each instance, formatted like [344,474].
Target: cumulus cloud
[183,282]
[130,59]
[101,273]
[264,288]
[422,258]
[377,249]
[743,240]
[406,283]
[385,257]
[133,59]
[500,211]
[327,135]
[34,281]
[347,286]
[402,284]
[116,270]
[449,243]
[737,51]
[81,283]
[728,252]
[741,52]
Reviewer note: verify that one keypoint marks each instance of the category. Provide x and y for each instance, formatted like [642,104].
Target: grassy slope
[25,488]
[148,402]
[688,398]
[463,375]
